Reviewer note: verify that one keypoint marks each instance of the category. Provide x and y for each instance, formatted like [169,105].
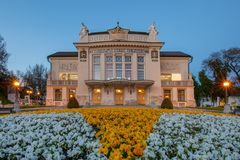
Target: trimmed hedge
[73,103]
[167,103]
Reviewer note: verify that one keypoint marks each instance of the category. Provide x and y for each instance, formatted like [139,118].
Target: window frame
[94,69]
[180,96]
[142,69]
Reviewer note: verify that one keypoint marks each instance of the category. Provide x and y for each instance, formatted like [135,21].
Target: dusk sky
[35,29]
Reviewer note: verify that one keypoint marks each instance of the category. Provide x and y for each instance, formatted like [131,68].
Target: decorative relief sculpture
[69,67]
[83,56]
[169,67]
[154,55]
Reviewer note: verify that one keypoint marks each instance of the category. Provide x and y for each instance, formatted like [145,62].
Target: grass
[219,108]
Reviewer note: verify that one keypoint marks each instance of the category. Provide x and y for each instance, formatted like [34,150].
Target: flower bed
[179,136]
[123,131]
[47,136]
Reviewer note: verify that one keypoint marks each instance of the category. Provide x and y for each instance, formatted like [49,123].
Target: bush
[73,103]
[167,103]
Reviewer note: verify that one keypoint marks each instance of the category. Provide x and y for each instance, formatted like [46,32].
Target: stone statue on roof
[153,32]
[84,31]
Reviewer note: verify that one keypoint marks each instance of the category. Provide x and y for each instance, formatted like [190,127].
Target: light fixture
[16,84]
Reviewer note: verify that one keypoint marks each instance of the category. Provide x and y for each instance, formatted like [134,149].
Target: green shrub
[167,103]
[73,103]
[5,100]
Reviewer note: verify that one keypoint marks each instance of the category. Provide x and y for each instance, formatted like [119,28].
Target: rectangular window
[128,71]
[71,93]
[176,77]
[73,77]
[166,77]
[96,67]
[140,68]
[167,93]
[108,67]
[58,94]
[119,70]
[109,71]
[181,95]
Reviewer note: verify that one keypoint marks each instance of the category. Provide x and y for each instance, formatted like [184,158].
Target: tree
[167,103]
[36,78]
[232,61]
[6,77]
[206,84]
[197,91]
[216,66]
[3,58]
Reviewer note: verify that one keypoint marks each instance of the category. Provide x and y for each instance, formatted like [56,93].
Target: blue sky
[35,29]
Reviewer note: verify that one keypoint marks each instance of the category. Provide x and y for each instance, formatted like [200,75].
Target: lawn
[120,133]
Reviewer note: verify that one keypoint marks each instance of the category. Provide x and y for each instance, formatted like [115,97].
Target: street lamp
[226,85]
[16,103]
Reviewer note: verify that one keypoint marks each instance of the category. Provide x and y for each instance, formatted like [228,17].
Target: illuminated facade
[120,67]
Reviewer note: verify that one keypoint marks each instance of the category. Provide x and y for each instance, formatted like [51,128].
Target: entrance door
[119,96]
[141,96]
[96,96]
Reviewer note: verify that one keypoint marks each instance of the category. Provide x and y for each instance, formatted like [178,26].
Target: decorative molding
[119,50]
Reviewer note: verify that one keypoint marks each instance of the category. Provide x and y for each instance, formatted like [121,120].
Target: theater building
[120,67]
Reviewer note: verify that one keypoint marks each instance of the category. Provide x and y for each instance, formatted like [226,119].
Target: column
[134,66]
[64,96]
[102,66]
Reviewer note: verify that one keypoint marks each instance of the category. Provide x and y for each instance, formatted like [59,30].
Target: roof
[173,54]
[63,54]
[130,32]
[162,54]
[117,27]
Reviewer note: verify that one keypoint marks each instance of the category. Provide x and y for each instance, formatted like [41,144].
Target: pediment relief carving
[118,33]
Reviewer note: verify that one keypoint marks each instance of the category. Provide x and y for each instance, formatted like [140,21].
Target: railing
[166,83]
[62,82]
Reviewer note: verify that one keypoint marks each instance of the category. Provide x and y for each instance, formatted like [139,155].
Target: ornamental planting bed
[119,133]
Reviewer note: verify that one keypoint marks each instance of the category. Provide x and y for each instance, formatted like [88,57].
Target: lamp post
[227,108]
[38,97]
[16,103]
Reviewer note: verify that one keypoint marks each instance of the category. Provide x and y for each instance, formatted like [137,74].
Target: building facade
[120,67]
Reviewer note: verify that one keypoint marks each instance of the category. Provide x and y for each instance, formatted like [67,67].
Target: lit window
[73,77]
[63,76]
[176,77]
[181,95]
[166,77]
[167,93]
[71,93]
